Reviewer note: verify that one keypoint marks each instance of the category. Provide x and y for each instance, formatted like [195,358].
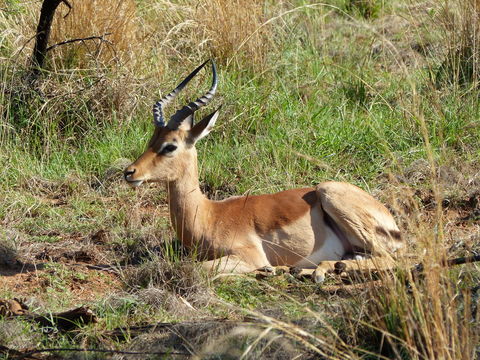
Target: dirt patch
[69,285]
[94,249]
[70,272]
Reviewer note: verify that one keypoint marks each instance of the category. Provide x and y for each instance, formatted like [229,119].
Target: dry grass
[178,287]
[115,20]
[64,101]
[234,31]
[97,77]
[426,316]
[182,277]
[138,49]
[461,25]
[229,31]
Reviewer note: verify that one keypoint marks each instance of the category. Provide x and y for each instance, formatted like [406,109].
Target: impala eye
[168,149]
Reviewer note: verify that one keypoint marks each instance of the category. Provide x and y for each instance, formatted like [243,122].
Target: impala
[310,228]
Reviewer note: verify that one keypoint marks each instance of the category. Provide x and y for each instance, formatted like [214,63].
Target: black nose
[128,172]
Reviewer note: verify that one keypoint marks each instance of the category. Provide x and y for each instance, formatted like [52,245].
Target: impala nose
[128,173]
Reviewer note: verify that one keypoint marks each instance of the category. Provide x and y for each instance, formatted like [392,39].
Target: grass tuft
[367,9]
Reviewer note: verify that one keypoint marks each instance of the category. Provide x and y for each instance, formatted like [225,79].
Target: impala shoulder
[230,199]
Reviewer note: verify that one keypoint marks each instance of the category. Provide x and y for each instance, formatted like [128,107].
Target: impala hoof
[318,277]
[280,270]
[264,272]
[340,267]
[295,271]
[267,269]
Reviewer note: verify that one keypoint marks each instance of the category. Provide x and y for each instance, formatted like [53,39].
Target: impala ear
[204,127]
[186,124]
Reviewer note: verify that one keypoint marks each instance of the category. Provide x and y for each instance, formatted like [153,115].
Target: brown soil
[85,285]
[71,272]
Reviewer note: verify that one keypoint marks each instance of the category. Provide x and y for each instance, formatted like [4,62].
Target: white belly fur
[300,237]
[331,249]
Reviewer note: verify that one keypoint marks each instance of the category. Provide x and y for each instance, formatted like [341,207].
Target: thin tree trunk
[43,34]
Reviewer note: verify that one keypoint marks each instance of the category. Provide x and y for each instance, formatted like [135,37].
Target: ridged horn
[189,109]
[158,118]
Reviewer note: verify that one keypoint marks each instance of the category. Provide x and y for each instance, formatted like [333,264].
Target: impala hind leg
[229,264]
[362,221]
[355,265]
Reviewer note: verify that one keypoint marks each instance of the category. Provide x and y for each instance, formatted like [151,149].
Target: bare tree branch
[97,37]
[69,8]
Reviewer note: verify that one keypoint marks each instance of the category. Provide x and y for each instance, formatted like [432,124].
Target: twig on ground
[29,353]
[64,321]
[138,330]
[463,260]
[450,262]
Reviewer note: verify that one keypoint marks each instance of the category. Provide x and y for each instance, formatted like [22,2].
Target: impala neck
[187,203]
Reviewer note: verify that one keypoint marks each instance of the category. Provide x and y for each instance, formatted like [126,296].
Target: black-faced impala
[307,228]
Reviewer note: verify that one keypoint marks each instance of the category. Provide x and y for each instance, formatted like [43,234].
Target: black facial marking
[168,149]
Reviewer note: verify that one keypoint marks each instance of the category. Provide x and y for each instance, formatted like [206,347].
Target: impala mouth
[135,183]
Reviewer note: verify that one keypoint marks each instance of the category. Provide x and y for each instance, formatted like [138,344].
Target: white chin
[135,183]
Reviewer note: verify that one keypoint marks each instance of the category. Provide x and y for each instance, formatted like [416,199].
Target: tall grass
[460,23]
[235,31]
[115,21]
[425,315]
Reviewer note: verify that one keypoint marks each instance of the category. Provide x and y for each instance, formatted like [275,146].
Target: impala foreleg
[229,264]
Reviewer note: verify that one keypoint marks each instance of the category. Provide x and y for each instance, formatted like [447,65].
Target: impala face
[167,153]
[172,146]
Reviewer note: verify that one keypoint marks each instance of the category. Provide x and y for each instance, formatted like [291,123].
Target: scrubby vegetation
[383,94]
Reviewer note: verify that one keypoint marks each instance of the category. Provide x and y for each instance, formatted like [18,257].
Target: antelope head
[172,147]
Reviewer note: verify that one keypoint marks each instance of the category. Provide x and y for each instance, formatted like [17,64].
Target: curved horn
[189,109]
[205,99]
[158,106]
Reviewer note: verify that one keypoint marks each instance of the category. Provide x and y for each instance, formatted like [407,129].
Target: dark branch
[99,37]
[47,13]
[419,268]
[69,8]
[463,260]
[26,354]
